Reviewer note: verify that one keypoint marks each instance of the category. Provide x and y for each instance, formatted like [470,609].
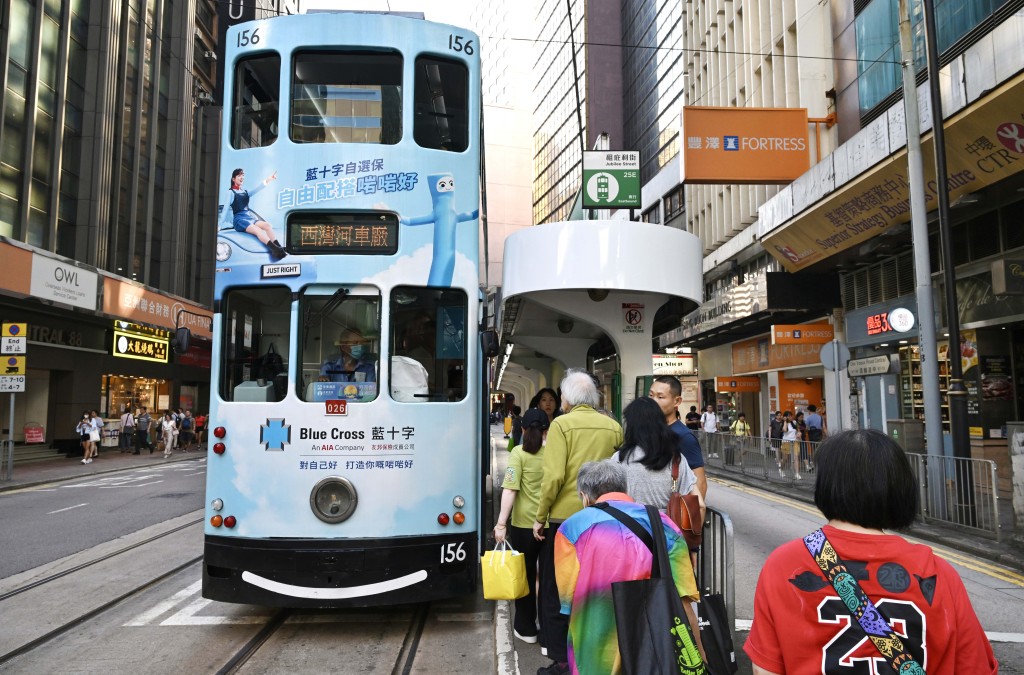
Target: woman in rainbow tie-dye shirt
[594,550]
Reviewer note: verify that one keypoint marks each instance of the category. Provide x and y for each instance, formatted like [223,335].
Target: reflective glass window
[340,349]
[256,327]
[347,97]
[255,101]
[428,344]
[441,104]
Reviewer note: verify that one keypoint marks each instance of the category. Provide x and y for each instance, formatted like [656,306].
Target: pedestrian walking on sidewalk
[142,424]
[126,436]
[168,432]
[95,434]
[84,429]
[864,485]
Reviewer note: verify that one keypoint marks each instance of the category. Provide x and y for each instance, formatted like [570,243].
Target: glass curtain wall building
[557,159]
[104,136]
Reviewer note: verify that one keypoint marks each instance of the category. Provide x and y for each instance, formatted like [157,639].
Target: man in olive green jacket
[579,436]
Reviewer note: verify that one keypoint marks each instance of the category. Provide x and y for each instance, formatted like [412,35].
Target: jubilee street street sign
[611,179]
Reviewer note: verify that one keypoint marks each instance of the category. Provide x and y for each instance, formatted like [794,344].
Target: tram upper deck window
[340,353]
[428,344]
[256,342]
[347,97]
[441,104]
[255,101]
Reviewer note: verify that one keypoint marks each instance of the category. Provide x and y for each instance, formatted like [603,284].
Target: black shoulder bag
[654,633]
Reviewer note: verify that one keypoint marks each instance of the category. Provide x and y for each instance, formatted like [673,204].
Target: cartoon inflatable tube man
[445,220]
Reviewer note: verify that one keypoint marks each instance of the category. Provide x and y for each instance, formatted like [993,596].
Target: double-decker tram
[347,386]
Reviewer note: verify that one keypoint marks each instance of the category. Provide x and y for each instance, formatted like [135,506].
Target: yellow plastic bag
[504,573]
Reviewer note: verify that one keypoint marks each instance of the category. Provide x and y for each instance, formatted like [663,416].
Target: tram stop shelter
[592,293]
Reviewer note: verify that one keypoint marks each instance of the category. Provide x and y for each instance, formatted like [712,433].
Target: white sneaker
[543,651]
[528,639]
[796,477]
[85,461]
[89,461]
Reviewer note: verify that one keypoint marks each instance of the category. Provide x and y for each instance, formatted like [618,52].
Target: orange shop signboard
[744,145]
[138,304]
[802,334]
[737,384]
[759,354]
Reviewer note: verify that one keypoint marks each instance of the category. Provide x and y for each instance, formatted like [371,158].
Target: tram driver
[353,362]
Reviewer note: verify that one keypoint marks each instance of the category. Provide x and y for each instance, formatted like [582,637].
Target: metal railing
[716,571]
[791,463]
[958,491]
[955,491]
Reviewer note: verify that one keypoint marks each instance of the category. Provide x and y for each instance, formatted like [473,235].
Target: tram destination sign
[611,179]
[343,234]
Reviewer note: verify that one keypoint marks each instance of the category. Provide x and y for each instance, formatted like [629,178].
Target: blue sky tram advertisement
[345,460]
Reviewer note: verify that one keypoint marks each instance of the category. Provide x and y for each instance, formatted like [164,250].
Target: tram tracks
[44,609]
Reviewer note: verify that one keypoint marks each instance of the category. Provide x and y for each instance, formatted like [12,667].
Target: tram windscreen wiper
[332,303]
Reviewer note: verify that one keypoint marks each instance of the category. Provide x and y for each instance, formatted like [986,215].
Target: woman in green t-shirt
[519,497]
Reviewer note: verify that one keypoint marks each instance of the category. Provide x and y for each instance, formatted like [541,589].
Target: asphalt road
[46,523]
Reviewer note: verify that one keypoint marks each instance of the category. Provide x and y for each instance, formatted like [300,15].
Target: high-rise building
[108,200]
[572,99]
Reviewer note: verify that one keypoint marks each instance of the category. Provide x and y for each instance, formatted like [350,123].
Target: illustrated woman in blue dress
[242,217]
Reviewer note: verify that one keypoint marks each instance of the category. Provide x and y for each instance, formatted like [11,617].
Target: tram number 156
[454,552]
[456,44]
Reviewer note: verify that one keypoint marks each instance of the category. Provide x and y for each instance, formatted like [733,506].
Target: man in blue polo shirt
[668,394]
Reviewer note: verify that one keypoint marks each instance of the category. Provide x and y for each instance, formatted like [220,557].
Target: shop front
[885,366]
[95,342]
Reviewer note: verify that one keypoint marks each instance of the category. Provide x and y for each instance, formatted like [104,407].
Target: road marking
[133,485]
[66,509]
[974,563]
[165,605]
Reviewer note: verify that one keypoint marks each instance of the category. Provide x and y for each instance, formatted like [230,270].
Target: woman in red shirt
[864,485]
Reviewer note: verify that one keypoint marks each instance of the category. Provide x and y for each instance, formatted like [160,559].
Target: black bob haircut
[864,478]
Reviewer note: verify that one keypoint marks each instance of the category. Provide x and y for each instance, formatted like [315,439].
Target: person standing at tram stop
[581,435]
[238,214]
[547,400]
[815,431]
[864,486]
[84,429]
[789,451]
[668,393]
[142,424]
[519,496]
[353,362]
[594,550]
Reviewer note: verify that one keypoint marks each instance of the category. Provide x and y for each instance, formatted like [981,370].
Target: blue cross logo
[274,434]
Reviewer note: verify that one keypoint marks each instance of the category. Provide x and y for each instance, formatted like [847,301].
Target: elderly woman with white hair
[581,435]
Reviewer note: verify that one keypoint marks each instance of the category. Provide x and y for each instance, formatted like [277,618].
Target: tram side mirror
[181,340]
[489,343]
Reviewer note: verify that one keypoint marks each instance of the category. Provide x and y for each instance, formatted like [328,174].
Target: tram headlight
[223,251]
[217,504]
[459,501]
[333,499]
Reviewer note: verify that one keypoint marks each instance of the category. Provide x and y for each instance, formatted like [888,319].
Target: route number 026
[453,552]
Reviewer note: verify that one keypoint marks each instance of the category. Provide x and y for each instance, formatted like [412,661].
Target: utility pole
[957,393]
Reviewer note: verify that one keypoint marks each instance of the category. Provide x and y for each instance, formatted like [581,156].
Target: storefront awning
[984,144]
